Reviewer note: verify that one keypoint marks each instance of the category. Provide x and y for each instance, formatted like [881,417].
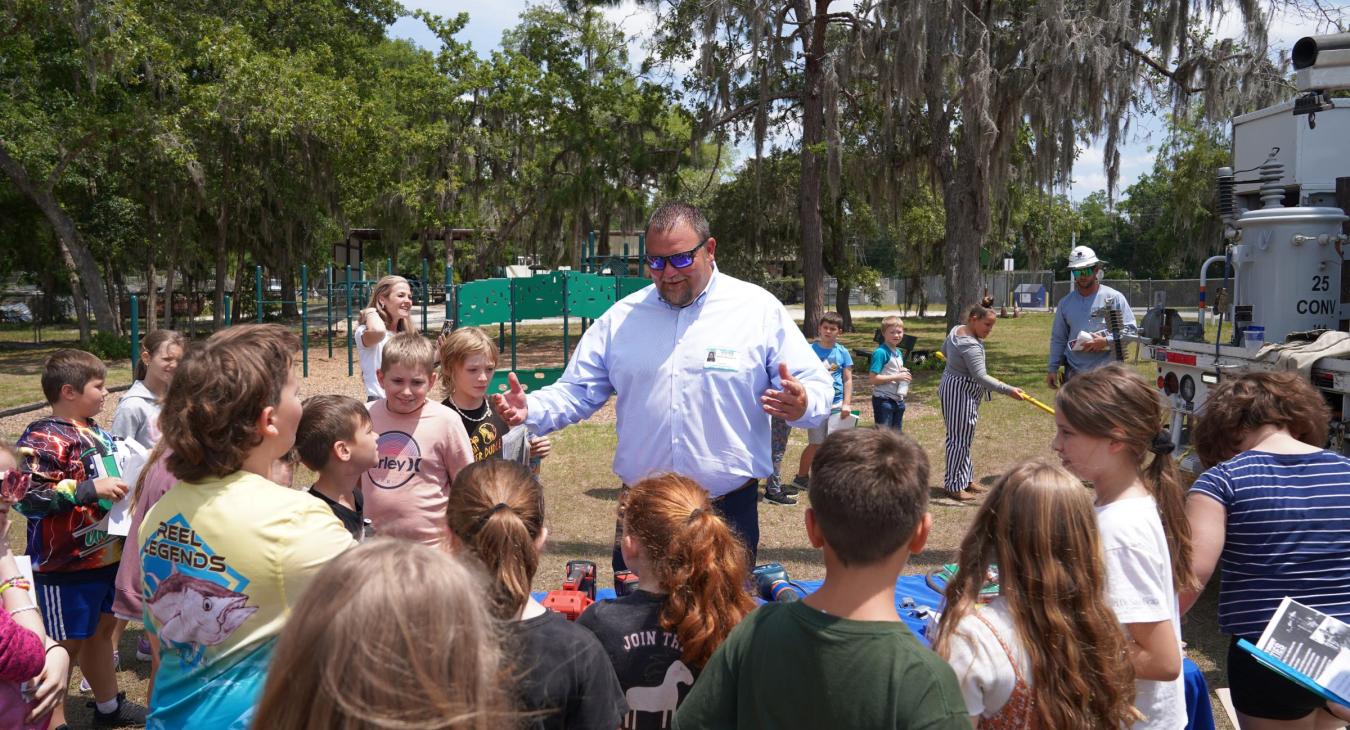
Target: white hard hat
[1082,257]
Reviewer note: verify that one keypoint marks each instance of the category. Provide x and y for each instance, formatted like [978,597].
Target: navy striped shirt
[1288,534]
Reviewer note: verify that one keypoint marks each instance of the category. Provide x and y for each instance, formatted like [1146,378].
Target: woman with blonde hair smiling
[388,313]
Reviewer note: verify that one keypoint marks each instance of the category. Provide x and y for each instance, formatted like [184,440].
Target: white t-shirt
[1139,589]
[982,666]
[370,358]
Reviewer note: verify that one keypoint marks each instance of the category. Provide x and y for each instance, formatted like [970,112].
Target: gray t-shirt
[965,356]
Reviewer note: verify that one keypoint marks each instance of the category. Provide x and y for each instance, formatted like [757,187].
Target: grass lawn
[581,490]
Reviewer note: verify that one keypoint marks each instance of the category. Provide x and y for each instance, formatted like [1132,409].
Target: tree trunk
[841,296]
[288,275]
[84,274]
[966,191]
[813,134]
[170,275]
[222,263]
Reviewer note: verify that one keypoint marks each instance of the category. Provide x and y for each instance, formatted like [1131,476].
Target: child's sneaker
[143,648]
[800,483]
[127,714]
[782,498]
[117,667]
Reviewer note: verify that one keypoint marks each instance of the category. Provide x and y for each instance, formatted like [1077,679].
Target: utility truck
[1282,274]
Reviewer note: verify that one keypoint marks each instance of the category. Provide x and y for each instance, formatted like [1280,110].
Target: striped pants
[960,397]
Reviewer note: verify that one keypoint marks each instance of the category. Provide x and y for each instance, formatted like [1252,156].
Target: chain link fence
[908,293]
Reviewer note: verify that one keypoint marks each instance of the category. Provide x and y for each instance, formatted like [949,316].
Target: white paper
[840,422]
[131,458]
[1083,338]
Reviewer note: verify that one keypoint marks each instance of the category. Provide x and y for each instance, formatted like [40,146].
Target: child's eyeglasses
[678,260]
[1083,273]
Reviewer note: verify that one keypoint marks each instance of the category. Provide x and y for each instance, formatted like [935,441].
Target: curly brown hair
[1239,406]
[210,414]
[699,561]
[1038,525]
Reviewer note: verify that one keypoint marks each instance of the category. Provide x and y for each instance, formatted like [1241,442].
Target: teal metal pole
[566,333]
[349,320]
[136,332]
[642,254]
[513,324]
[229,309]
[304,318]
[328,308]
[426,291]
[257,288]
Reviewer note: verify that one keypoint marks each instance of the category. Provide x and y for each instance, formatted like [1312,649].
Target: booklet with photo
[1307,646]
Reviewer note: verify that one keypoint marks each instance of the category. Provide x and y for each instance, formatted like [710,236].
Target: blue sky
[487,21]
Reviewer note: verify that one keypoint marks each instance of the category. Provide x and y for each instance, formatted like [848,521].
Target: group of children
[886,373]
[272,608]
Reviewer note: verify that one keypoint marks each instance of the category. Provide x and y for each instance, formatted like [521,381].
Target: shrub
[107,346]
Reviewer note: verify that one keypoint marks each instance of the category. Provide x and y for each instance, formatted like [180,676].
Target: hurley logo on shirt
[400,457]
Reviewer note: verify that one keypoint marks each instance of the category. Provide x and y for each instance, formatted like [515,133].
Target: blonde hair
[390,634]
[496,510]
[1114,403]
[893,320]
[409,349]
[382,289]
[461,345]
[699,562]
[1039,525]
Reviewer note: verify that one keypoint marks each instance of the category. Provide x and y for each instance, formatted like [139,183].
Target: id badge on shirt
[726,359]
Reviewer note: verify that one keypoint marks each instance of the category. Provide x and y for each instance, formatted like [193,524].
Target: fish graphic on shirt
[195,613]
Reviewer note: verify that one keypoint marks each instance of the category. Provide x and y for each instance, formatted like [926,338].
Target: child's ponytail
[496,510]
[699,561]
[1114,402]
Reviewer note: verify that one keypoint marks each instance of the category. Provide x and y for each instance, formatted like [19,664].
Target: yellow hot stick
[1038,404]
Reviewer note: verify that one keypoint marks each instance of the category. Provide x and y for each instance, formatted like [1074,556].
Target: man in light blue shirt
[1077,313]
[699,362]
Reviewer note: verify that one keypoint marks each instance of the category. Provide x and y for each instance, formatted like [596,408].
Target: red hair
[699,561]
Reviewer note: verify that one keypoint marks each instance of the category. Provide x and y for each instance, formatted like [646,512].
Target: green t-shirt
[788,665]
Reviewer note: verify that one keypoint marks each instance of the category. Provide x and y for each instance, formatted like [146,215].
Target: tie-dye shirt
[224,561]
[63,511]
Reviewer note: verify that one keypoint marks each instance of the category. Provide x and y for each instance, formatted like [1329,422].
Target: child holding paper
[74,482]
[839,364]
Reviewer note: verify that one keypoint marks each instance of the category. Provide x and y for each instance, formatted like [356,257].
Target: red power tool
[577,592]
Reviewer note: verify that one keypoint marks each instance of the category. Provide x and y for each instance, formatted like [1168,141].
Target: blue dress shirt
[688,381]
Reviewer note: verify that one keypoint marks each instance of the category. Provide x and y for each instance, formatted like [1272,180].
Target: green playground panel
[538,297]
[530,379]
[486,301]
[630,284]
[590,295]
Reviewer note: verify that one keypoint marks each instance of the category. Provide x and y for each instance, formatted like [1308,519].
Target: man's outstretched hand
[511,405]
[789,403]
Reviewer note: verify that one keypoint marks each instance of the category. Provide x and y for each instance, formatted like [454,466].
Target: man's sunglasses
[678,260]
[1083,273]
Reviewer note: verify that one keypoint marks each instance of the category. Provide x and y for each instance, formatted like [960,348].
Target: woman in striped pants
[964,384]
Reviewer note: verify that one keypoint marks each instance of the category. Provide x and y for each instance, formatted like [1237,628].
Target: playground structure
[565,294]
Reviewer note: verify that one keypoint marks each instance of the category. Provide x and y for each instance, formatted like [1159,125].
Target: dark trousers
[888,412]
[740,508]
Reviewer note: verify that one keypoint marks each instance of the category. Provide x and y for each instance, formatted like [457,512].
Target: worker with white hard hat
[1079,338]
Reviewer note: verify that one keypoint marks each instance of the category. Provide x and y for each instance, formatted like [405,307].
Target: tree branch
[750,106]
[1157,66]
[67,158]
